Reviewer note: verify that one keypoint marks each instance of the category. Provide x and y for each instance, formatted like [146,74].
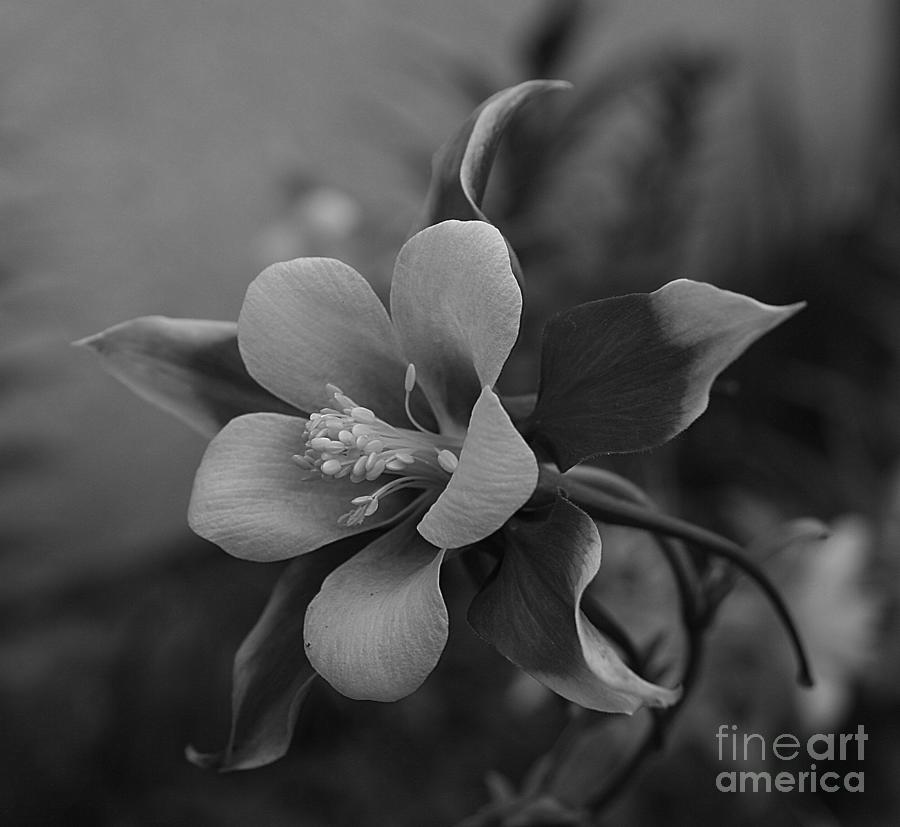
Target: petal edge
[496,475]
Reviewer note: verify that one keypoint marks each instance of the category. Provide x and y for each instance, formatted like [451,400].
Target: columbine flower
[272,486]
[397,453]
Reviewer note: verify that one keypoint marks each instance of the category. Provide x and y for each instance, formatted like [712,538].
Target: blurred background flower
[154,157]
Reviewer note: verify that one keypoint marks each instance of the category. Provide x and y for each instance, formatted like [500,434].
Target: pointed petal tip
[558,85]
[792,309]
[203,760]
[663,696]
[91,342]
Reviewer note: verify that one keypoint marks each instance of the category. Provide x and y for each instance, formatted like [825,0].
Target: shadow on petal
[251,499]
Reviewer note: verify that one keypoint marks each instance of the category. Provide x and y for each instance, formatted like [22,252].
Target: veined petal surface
[313,321]
[496,475]
[378,626]
[456,306]
[251,499]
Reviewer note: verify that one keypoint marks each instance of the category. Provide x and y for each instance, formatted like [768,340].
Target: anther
[447,460]
[363,415]
[330,467]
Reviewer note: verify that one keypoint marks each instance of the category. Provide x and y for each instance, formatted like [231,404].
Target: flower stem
[610,509]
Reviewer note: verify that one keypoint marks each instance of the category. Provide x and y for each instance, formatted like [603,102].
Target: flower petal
[271,674]
[312,321]
[378,626]
[629,373]
[496,475]
[456,306]
[188,367]
[251,499]
[530,611]
[461,167]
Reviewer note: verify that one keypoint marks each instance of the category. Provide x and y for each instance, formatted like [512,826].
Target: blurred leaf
[553,36]
[596,757]
[838,614]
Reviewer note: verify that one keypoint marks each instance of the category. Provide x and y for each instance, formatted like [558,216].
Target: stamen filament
[350,441]
[408,384]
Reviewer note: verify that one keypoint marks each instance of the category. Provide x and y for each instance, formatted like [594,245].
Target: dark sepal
[629,373]
[530,611]
[271,675]
[461,167]
[188,367]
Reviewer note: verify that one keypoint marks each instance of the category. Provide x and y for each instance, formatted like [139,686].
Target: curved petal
[461,167]
[496,475]
[271,675]
[311,321]
[530,611]
[629,373]
[378,626]
[188,367]
[251,499]
[456,307]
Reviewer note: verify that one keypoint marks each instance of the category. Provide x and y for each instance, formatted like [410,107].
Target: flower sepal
[629,373]
[190,368]
[530,611]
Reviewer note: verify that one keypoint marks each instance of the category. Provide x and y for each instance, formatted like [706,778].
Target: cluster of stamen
[349,440]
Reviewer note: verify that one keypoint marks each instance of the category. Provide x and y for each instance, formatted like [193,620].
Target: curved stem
[693,619]
[608,481]
[611,510]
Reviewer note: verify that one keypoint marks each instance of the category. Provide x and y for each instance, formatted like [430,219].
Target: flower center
[349,440]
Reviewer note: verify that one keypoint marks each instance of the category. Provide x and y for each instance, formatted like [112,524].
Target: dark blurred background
[155,156]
